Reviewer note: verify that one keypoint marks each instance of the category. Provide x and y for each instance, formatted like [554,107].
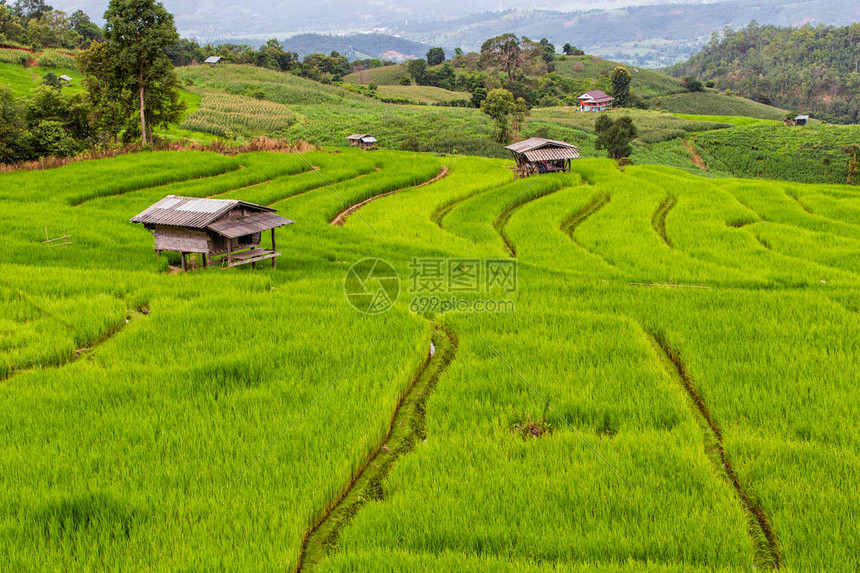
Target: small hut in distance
[362,140]
[212,60]
[539,155]
[221,230]
[67,81]
[801,119]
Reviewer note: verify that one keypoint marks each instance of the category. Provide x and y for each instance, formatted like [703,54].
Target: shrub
[50,138]
[411,143]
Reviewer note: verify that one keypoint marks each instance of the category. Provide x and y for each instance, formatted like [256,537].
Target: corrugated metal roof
[212,60]
[248,225]
[358,136]
[552,154]
[536,143]
[597,96]
[368,139]
[191,212]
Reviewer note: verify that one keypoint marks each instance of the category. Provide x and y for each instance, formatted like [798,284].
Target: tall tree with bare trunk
[133,68]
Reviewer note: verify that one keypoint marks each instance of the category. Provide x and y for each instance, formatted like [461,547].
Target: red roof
[595,96]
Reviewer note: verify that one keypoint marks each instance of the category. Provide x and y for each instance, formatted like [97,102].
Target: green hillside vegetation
[22,80]
[648,83]
[383,76]
[420,94]
[652,126]
[241,102]
[810,153]
[326,115]
[808,69]
[235,116]
[736,120]
[712,103]
[21,71]
[702,423]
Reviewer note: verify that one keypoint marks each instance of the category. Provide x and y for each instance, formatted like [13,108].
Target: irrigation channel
[768,554]
[406,426]
[341,217]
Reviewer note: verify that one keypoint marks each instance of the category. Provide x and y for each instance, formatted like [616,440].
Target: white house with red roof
[595,100]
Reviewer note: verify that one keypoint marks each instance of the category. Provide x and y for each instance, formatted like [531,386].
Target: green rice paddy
[682,353]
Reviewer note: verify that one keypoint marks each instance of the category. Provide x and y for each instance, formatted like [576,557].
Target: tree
[615,136]
[570,50]
[404,80]
[692,84]
[31,9]
[479,94]
[504,51]
[136,34]
[11,125]
[499,105]
[112,102]
[547,50]
[52,81]
[82,24]
[853,152]
[51,138]
[620,79]
[435,56]
[417,69]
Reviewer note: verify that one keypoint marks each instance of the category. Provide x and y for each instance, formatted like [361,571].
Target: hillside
[714,103]
[420,94]
[810,70]
[647,83]
[326,115]
[23,70]
[383,76]
[812,153]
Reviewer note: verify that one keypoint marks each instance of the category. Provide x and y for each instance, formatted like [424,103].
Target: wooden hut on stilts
[539,155]
[225,232]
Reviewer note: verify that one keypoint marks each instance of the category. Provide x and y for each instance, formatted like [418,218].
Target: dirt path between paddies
[658,220]
[406,427]
[570,224]
[131,316]
[766,546]
[502,220]
[698,161]
[341,217]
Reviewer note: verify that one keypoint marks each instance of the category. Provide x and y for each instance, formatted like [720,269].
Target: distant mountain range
[652,34]
[357,46]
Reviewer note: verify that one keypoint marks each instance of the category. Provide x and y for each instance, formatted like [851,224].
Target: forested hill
[357,46]
[810,70]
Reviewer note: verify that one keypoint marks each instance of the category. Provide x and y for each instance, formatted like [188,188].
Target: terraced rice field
[674,386]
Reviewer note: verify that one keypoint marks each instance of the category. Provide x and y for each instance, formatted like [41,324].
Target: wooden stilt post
[205,261]
[273,248]
[182,255]
[229,253]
